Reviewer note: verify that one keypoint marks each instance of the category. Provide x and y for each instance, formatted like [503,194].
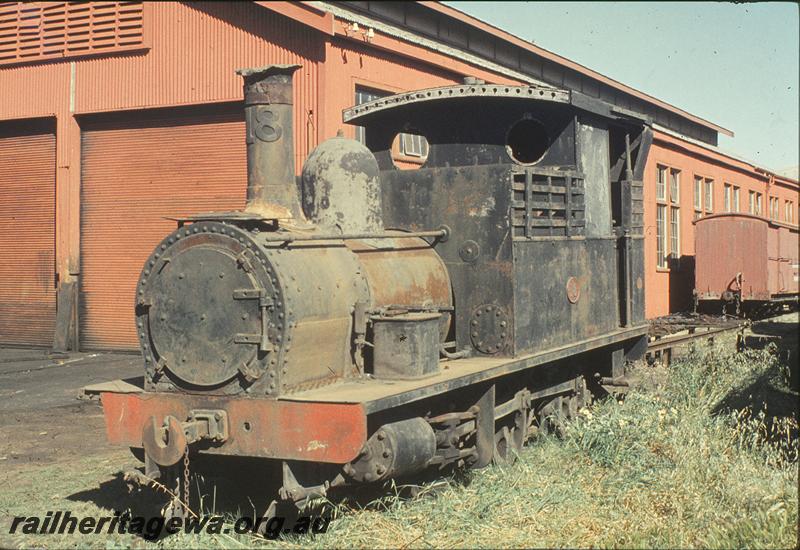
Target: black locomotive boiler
[363,322]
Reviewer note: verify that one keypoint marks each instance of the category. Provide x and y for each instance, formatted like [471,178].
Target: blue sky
[733,64]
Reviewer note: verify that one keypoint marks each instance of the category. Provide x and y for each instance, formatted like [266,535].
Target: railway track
[670,332]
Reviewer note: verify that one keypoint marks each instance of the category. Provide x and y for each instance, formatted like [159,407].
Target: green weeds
[702,455]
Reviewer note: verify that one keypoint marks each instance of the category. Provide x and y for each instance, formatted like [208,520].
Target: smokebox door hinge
[245,260]
[248,293]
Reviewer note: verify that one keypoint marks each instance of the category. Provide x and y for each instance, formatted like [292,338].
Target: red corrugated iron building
[116,115]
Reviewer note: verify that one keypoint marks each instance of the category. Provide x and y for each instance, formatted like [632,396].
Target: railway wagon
[363,322]
[745,262]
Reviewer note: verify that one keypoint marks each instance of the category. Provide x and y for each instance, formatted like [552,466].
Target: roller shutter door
[135,172]
[27,235]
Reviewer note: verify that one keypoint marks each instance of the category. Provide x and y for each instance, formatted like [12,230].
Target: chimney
[271,184]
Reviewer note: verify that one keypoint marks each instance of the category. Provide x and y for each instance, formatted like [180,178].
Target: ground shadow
[231,487]
[681,283]
[775,391]
[236,487]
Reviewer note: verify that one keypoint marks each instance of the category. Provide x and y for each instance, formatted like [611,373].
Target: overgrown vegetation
[673,465]
[702,455]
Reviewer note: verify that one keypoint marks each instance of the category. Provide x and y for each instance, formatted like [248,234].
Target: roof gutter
[420,40]
[303,12]
[712,153]
[563,61]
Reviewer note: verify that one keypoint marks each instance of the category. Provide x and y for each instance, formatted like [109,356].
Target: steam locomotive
[362,322]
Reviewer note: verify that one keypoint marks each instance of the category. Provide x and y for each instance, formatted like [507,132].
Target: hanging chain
[186,481]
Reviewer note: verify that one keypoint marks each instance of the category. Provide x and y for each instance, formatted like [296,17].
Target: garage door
[136,172]
[27,234]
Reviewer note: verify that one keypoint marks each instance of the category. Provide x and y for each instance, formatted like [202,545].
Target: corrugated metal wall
[194,49]
[192,52]
[27,234]
[136,171]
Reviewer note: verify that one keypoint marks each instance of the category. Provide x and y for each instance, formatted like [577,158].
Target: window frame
[775,208]
[661,183]
[727,191]
[662,243]
[399,153]
[668,217]
[708,196]
[674,186]
[698,193]
[674,233]
[419,149]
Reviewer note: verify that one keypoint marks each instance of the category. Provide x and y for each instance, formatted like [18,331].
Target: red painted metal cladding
[785,266]
[27,234]
[137,171]
[34,31]
[288,430]
[729,244]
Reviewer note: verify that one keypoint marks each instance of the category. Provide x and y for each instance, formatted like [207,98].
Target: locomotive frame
[363,322]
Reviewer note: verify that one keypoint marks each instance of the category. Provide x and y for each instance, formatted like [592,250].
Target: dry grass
[702,456]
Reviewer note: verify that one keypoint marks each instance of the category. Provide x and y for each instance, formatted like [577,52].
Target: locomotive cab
[543,199]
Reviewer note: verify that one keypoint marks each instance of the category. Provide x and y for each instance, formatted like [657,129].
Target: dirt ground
[53,453]
[41,418]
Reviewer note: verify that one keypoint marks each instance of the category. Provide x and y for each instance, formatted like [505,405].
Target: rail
[441,234]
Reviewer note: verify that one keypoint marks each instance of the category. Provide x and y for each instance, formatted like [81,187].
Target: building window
[675,233]
[698,193]
[668,216]
[774,211]
[736,199]
[726,197]
[414,145]
[364,95]
[661,235]
[674,186]
[789,211]
[37,31]
[411,145]
[755,203]
[709,195]
[661,183]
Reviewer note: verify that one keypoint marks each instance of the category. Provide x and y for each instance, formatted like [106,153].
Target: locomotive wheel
[508,441]
[554,415]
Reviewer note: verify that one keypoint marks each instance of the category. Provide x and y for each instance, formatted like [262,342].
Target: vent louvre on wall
[547,203]
[37,31]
